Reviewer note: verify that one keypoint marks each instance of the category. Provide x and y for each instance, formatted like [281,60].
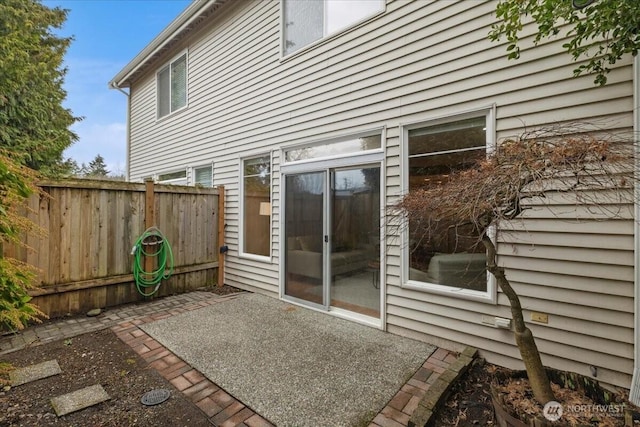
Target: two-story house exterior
[316,116]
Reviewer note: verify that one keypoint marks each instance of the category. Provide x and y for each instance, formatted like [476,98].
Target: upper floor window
[172,86]
[306,21]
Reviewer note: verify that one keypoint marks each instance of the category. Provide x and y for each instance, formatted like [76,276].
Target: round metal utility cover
[155,397]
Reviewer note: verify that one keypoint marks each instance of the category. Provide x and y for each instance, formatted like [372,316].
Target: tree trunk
[536,373]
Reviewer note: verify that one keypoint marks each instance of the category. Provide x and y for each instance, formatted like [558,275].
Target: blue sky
[108,34]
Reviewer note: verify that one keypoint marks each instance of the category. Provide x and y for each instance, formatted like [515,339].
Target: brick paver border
[412,405]
[222,409]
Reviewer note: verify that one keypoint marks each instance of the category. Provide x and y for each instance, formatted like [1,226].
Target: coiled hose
[158,248]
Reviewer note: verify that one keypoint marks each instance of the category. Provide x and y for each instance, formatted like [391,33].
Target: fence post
[149,218]
[221,253]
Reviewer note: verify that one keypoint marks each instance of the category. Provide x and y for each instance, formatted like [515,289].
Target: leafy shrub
[17,183]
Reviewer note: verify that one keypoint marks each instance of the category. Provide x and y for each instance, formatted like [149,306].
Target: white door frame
[360,159]
[634,393]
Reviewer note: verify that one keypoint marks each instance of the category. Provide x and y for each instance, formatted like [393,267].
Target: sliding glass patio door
[305,231]
[355,240]
[332,235]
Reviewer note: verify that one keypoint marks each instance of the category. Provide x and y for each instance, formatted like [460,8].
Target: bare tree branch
[587,168]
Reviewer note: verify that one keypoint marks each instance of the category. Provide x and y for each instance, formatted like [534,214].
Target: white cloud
[102,130]
[108,140]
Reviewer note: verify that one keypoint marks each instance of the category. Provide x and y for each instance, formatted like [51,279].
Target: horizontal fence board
[112,280]
[83,255]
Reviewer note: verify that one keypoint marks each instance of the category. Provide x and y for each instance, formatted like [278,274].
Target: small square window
[203,176]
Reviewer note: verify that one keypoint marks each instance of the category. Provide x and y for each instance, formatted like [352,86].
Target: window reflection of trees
[257,190]
[309,183]
[436,152]
[334,148]
[306,21]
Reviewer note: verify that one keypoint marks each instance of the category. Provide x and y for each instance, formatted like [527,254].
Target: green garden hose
[159,249]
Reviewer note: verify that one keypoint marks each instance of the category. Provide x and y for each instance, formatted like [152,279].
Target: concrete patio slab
[79,399]
[292,365]
[34,372]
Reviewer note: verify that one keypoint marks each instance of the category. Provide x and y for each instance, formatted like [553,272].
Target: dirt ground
[469,403]
[101,358]
[95,358]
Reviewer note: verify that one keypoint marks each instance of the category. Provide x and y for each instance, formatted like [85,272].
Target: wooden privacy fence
[84,259]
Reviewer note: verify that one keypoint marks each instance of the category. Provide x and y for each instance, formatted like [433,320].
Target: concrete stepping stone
[34,372]
[79,399]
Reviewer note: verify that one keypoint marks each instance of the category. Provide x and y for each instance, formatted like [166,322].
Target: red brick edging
[221,408]
[421,396]
[226,411]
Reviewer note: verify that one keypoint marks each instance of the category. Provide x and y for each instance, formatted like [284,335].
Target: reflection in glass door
[332,239]
[304,234]
[355,240]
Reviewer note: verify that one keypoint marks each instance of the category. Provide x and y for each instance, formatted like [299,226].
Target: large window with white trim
[256,206]
[454,261]
[172,86]
[306,21]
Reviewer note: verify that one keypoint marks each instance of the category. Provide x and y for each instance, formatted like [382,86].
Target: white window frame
[337,139]
[490,295]
[241,232]
[173,181]
[168,64]
[192,170]
[326,35]
[634,393]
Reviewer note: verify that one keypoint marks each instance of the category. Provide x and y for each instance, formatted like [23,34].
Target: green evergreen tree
[34,126]
[97,167]
[69,167]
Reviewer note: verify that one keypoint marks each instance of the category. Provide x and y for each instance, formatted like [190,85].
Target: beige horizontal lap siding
[276,197]
[418,60]
[244,273]
[581,274]
[574,271]
[256,276]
